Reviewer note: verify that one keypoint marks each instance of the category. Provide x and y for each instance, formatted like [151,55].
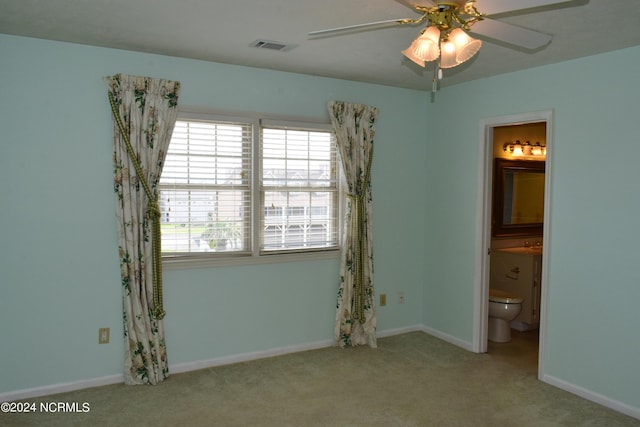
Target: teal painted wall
[59,278]
[59,273]
[592,313]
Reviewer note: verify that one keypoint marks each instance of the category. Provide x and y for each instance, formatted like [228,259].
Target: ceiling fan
[445,39]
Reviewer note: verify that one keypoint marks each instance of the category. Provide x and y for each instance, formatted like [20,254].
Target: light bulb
[448,57]
[517,149]
[536,150]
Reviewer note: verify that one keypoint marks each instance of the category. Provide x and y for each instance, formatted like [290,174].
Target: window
[205,188]
[299,188]
[245,187]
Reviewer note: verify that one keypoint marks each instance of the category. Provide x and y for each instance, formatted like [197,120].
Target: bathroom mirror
[518,198]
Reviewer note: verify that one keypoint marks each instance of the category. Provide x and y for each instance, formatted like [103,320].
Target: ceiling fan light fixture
[466,46]
[445,40]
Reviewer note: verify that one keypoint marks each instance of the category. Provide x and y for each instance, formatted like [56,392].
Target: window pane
[297,144]
[201,220]
[300,224]
[320,173]
[320,146]
[295,164]
[205,188]
[274,172]
[301,163]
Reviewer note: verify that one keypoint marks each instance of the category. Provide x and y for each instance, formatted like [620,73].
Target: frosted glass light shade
[517,149]
[432,33]
[448,55]
[410,53]
[466,47]
[425,48]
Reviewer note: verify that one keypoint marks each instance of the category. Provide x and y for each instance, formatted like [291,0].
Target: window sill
[183,263]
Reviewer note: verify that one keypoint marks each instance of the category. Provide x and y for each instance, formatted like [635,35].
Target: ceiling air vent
[271,45]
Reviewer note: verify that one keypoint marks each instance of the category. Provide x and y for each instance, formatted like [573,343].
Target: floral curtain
[354,126]
[144,113]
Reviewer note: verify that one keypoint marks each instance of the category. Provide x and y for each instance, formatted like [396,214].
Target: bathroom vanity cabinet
[519,272]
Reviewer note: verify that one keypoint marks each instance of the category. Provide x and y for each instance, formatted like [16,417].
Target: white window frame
[281,125]
[255,256]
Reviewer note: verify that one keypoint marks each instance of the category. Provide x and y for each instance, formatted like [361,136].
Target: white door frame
[483,224]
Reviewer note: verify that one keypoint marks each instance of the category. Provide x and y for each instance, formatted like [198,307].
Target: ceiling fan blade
[377,24]
[511,34]
[493,7]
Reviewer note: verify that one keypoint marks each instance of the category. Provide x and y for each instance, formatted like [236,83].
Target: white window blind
[298,189]
[205,188]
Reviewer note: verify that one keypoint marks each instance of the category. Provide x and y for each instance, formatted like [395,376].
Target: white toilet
[503,308]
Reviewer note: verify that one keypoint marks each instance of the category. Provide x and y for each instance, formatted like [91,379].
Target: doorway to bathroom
[512,138]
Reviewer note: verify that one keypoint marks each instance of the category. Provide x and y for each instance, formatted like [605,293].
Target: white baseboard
[245,357]
[623,408]
[448,338]
[398,331]
[279,351]
[60,388]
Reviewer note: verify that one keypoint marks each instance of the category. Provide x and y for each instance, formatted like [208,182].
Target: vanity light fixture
[522,149]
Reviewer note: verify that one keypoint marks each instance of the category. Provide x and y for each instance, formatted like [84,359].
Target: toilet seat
[497,295]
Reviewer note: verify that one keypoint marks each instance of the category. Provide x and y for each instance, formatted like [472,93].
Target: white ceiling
[222,30]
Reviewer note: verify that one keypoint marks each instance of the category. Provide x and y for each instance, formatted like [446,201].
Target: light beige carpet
[410,380]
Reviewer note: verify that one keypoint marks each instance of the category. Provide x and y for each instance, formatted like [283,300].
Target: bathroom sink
[523,250]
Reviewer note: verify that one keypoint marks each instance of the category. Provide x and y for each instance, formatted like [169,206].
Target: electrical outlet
[400,297]
[103,336]
[383,300]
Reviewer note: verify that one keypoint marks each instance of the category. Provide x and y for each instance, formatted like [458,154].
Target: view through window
[224,191]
